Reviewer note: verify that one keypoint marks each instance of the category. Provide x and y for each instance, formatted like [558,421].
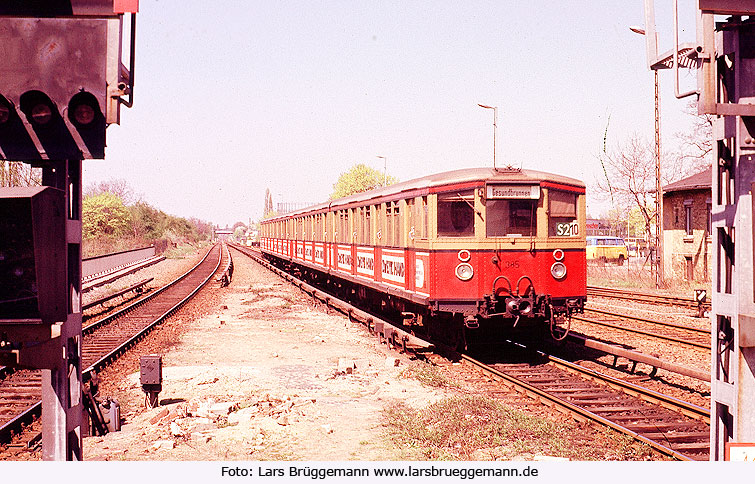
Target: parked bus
[604,248]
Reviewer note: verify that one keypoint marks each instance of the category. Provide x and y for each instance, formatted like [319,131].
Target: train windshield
[505,218]
[562,214]
[456,214]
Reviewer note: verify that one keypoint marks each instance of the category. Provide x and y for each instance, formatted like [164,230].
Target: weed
[454,428]
[427,374]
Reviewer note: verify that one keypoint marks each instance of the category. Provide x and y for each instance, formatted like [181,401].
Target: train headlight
[558,254]
[558,270]
[464,255]
[464,271]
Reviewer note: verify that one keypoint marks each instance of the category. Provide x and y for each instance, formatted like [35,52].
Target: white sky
[236,96]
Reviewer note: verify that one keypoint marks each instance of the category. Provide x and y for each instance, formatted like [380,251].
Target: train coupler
[471,322]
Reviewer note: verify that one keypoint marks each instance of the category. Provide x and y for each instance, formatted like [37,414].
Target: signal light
[5,108]
[83,114]
[83,109]
[41,114]
[37,107]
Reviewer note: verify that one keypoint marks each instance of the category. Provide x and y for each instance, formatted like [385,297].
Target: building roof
[698,181]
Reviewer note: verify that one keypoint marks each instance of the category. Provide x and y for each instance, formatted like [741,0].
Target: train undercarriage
[457,324]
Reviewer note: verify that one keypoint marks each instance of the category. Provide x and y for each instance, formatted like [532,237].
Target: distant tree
[697,144]
[18,174]
[242,225]
[360,178]
[268,204]
[629,177]
[118,187]
[147,222]
[104,215]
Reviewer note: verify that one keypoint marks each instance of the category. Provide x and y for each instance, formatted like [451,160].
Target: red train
[472,248]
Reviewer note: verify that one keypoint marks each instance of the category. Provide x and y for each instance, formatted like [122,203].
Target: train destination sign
[529,192]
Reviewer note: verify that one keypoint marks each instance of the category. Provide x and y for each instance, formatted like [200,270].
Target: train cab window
[456,214]
[562,214]
[507,218]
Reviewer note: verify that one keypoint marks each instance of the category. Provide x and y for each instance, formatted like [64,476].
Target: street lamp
[658,191]
[495,124]
[385,170]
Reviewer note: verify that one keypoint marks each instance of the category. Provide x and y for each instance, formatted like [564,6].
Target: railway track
[645,297]
[673,332]
[105,340]
[671,426]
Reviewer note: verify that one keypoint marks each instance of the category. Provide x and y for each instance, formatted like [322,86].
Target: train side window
[510,218]
[398,224]
[368,225]
[423,219]
[456,214]
[379,224]
[411,213]
[353,226]
[562,214]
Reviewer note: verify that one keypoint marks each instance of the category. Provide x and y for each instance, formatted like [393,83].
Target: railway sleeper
[661,426]
[679,437]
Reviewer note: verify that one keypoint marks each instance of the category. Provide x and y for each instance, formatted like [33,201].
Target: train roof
[454,177]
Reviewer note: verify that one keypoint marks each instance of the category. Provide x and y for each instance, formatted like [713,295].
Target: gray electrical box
[151,370]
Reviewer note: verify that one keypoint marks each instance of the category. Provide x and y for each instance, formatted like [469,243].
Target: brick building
[686,228]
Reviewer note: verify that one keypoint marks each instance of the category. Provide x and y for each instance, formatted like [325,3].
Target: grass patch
[182,251]
[427,374]
[470,427]
[640,278]
[480,428]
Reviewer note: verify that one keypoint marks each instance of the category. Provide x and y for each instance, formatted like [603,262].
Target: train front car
[509,250]
[474,251]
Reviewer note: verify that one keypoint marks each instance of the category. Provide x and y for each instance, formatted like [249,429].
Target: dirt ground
[260,374]
[258,371]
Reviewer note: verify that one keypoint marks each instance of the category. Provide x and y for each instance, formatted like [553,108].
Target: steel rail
[639,358]
[572,409]
[35,409]
[651,321]
[642,332]
[643,296]
[138,336]
[630,389]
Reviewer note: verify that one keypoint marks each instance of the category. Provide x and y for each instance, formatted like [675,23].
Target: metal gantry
[724,56]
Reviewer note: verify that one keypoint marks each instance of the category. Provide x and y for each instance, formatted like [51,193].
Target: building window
[688,219]
[708,219]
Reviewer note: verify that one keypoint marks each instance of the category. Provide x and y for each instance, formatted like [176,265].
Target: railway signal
[61,78]
[61,84]
[723,56]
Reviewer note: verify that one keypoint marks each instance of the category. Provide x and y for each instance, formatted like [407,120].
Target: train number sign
[567,229]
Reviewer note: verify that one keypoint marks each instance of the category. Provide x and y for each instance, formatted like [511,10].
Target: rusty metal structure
[62,83]
[724,56]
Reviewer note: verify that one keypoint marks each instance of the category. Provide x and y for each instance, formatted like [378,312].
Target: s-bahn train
[474,248]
